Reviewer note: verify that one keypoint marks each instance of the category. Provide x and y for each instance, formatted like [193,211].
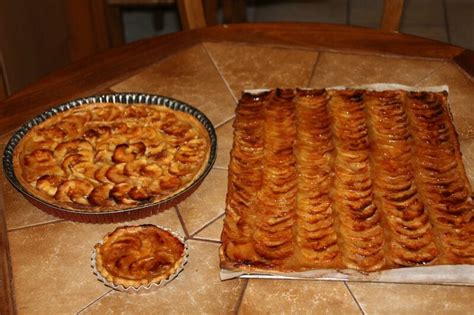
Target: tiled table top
[50,257]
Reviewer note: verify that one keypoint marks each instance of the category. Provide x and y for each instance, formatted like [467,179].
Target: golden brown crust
[411,239]
[444,187]
[103,157]
[345,179]
[139,255]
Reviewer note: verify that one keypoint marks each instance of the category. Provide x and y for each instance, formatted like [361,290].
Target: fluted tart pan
[125,211]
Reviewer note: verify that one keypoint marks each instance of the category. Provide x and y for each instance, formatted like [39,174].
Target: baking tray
[121,215]
[461,274]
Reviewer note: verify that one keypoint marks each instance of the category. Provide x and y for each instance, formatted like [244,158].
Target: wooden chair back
[192,13]
[392,14]
[201,13]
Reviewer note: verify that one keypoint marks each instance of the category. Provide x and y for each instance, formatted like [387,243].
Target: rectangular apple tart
[345,179]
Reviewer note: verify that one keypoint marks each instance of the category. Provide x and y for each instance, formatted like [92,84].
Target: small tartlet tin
[113,216]
[143,289]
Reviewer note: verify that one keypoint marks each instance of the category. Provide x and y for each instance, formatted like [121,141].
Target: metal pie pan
[121,215]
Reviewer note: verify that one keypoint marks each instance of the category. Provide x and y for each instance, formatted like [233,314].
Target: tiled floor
[445,20]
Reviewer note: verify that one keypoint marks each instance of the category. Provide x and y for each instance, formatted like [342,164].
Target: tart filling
[136,256]
[110,156]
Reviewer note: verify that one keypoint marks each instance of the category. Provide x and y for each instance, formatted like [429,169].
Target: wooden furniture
[235,12]
[26,52]
[80,28]
[37,37]
[156,5]
[193,14]
[3,87]
[392,13]
[47,259]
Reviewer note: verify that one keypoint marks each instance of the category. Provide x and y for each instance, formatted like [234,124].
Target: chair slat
[392,13]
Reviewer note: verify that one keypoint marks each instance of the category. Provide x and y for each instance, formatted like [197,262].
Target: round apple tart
[138,256]
[111,156]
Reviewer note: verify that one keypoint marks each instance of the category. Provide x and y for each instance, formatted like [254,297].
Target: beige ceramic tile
[461,94]
[381,298]
[212,231]
[467,150]
[20,212]
[297,297]
[252,66]
[347,69]
[189,76]
[51,263]
[51,267]
[197,290]
[224,144]
[206,203]
[168,219]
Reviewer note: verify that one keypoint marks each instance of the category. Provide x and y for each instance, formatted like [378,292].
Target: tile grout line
[354,298]
[207,224]
[313,71]
[221,168]
[241,297]
[225,121]
[180,218]
[205,240]
[94,301]
[443,64]
[374,53]
[236,100]
[24,227]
